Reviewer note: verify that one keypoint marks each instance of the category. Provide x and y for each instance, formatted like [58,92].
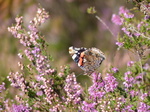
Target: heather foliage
[43,88]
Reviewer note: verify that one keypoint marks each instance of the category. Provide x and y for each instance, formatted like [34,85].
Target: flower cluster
[110,83]
[2,87]
[89,107]
[118,19]
[129,80]
[96,90]
[34,53]
[134,31]
[20,108]
[17,80]
[73,90]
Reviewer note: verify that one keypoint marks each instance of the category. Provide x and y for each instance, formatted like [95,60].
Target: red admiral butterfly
[87,59]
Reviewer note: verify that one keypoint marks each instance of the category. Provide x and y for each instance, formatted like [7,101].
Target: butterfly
[87,59]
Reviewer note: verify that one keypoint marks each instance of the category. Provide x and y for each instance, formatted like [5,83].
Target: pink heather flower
[89,107]
[57,108]
[115,69]
[73,89]
[17,80]
[96,90]
[133,93]
[122,10]
[143,96]
[147,17]
[39,93]
[146,66]
[2,87]
[143,107]
[127,73]
[110,83]
[49,91]
[126,32]
[137,34]
[139,78]
[139,25]
[119,44]
[125,12]
[129,15]
[117,19]
[129,80]
[29,54]
[127,109]
[130,63]
[20,108]
[20,55]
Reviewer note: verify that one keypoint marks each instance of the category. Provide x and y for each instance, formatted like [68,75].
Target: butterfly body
[87,59]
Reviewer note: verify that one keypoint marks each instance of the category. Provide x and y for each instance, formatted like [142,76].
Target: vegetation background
[69,25]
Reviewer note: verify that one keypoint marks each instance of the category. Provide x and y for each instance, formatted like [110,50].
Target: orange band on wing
[81,59]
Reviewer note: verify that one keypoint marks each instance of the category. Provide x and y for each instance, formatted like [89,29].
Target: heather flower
[20,108]
[122,10]
[143,96]
[119,44]
[139,25]
[129,15]
[73,89]
[2,87]
[110,83]
[126,32]
[39,93]
[143,107]
[96,90]
[137,34]
[130,63]
[125,12]
[20,55]
[139,78]
[14,29]
[115,69]
[127,109]
[133,93]
[57,108]
[89,107]
[117,19]
[119,101]
[146,66]
[147,17]
[129,80]
[17,80]
[51,95]
[31,38]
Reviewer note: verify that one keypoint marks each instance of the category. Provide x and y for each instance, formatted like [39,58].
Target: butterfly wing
[87,59]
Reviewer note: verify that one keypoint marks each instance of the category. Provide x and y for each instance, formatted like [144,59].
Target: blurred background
[69,25]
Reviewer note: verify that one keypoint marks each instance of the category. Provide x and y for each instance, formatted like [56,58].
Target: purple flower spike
[143,107]
[73,89]
[119,44]
[95,90]
[20,108]
[117,19]
[115,70]
[2,87]
[110,83]
[130,63]
[125,12]
[89,107]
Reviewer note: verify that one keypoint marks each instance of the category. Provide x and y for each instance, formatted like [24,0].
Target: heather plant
[41,87]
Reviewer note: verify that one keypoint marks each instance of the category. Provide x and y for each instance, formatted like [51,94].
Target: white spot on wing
[74,56]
